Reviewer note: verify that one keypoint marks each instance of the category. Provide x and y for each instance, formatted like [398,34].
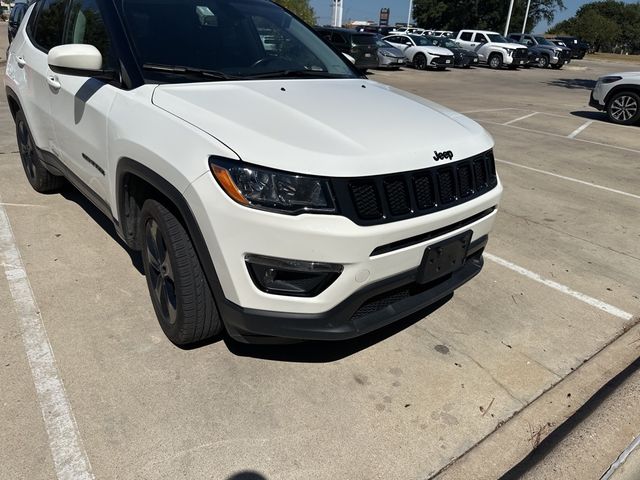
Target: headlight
[387,53]
[610,79]
[273,190]
[509,51]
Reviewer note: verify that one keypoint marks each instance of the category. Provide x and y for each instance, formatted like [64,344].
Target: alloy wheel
[160,272]
[624,107]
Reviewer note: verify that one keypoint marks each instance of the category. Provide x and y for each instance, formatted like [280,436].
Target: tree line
[482,14]
[609,26]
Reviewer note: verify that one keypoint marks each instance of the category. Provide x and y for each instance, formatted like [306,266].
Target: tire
[623,108]
[180,294]
[495,61]
[543,61]
[420,61]
[38,176]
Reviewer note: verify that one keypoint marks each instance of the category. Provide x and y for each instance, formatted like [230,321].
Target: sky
[370,10]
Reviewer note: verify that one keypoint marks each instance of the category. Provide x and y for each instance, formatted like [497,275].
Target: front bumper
[369,254]
[369,309]
[593,102]
[391,62]
[442,61]
[465,61]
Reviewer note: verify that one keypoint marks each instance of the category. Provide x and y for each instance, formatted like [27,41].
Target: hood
[512,46]
[324,127]
[437,50]
[393,51]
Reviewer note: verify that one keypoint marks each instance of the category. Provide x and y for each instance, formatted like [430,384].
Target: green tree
[301,8]
[482,14]
[608,25]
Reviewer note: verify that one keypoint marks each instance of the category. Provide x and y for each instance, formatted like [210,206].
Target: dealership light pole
[526,15]
[410,12]
[506,27]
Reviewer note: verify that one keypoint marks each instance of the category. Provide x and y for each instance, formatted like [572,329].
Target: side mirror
[79,60]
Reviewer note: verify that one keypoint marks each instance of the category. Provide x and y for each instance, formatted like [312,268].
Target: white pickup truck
[493,49]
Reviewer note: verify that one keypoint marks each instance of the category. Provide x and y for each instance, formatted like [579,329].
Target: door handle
[53,82]
[21,61]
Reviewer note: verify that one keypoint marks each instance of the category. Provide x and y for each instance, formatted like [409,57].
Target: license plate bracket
[444,257]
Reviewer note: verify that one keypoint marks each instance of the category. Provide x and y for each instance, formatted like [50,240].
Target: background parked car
[578,48]
[15,18]
[493,49]
[461,57]
[388,55]
[534,57]
[360,46]
[618,95]
[421,52]
[549,53]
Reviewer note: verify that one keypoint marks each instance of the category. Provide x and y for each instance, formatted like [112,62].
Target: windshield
[543,41]
[494,37]
[235,39]
[383,44]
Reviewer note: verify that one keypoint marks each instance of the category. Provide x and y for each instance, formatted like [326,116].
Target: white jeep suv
[251,179]
[618,94]
[493,49]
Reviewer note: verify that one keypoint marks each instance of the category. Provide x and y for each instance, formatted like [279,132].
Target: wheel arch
[14,102]
[136,183]
[629,87]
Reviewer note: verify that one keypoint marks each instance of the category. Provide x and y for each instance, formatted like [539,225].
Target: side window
[49,23]
[465,36]
[481,38]
[85,25]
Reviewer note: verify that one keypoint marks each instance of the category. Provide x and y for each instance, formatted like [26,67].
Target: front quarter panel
[172,148]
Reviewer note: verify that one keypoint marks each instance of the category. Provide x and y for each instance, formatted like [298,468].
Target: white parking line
[69,458]
[491,110]
[582,182]
[559,136]
[520,118]
[579,129]
[594,302]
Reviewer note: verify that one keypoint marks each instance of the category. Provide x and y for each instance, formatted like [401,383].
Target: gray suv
[550,53]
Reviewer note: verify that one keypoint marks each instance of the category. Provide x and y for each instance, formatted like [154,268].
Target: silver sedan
[389,56]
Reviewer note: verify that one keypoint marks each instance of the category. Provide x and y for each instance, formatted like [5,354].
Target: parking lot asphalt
[552,314]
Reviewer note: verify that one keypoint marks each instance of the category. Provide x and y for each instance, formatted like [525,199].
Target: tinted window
[49,23]
[85,25]
[466,36]
[17,13]
[337,38]
[364,40]
[480,38]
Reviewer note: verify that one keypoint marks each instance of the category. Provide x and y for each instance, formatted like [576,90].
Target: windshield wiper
[200,72]
[295,74]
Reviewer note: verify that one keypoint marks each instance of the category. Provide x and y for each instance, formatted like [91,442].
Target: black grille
[521,54]
[443,60]
[565,54]
[387,198]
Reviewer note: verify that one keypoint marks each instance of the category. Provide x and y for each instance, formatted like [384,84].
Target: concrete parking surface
[475,385]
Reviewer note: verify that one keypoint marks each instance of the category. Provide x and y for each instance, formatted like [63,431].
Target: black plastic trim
[339,323]
[408,242]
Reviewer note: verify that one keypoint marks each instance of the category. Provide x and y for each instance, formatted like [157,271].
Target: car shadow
[327,351]
[71,193]
[573,83]
[597,116]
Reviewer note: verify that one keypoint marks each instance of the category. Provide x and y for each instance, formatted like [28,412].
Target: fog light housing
[295,278]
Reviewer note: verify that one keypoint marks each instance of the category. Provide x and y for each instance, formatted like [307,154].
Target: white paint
[582,182]
[69,458]
[520,118]
[594,302]
[579,129]
[491,110]
[560,136]
[621,459]
[4,204]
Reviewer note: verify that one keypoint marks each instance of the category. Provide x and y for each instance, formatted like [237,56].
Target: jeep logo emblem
[442,155]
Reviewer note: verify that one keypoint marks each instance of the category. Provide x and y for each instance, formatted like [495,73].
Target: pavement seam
[621,459]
